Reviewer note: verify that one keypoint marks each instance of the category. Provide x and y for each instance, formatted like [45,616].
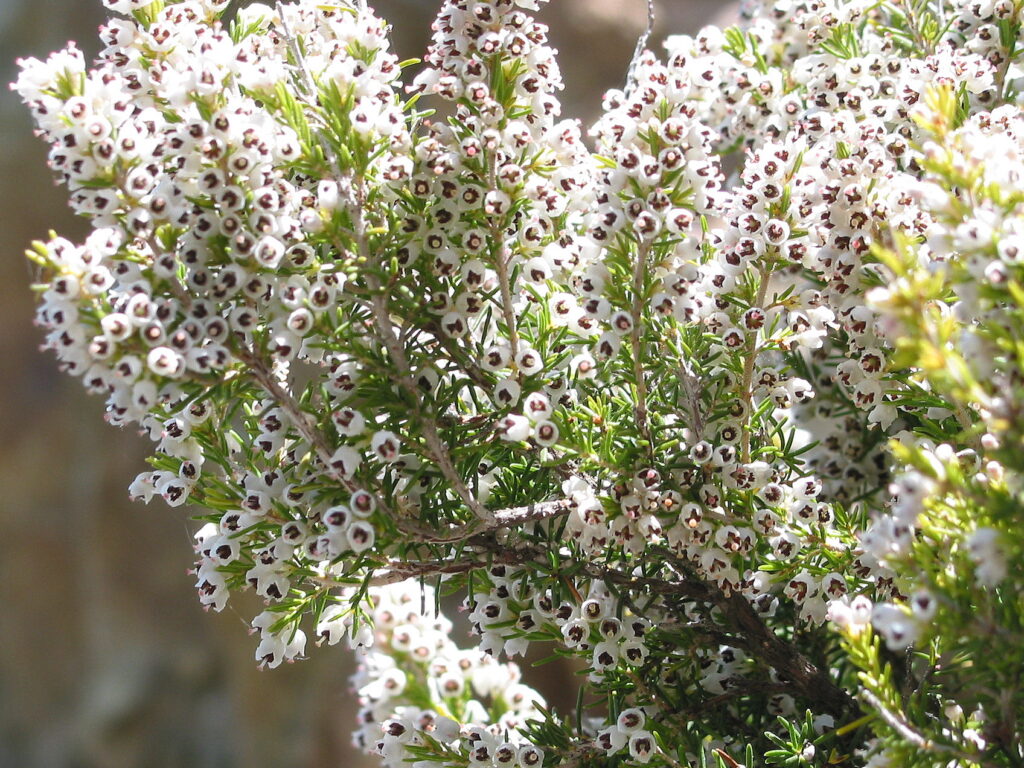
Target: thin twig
[455,353]
[636,313]
[435,445]
[490,520]
[501,264]
[399,570]
[310,84]
[693,589]
[641,46]
[898,723]
[505,518]
[402,570]
[693,403]
[746,385]
[261,372]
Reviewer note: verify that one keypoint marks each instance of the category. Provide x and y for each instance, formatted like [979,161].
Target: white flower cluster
[203,235]
[416,688]
[506,615]
[627,733]
[977,249]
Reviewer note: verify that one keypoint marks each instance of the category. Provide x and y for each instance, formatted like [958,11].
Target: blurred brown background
[106,659]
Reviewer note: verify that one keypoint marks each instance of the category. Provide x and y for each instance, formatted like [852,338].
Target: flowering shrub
[726,403]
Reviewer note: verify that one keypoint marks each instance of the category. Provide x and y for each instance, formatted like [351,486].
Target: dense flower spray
[665,397]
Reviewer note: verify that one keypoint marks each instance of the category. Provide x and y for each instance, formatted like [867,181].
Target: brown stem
[746,385]
[501,260]
[400,571]
[688,381]
[757,638]
[747,629]
[382,319]
[435,445]
[505,518]
[689,589]
[260,371]
[636,313]
[793,667]
[898,723]
[455,353]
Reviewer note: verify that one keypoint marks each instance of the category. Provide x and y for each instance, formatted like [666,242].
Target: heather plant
[721,398]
